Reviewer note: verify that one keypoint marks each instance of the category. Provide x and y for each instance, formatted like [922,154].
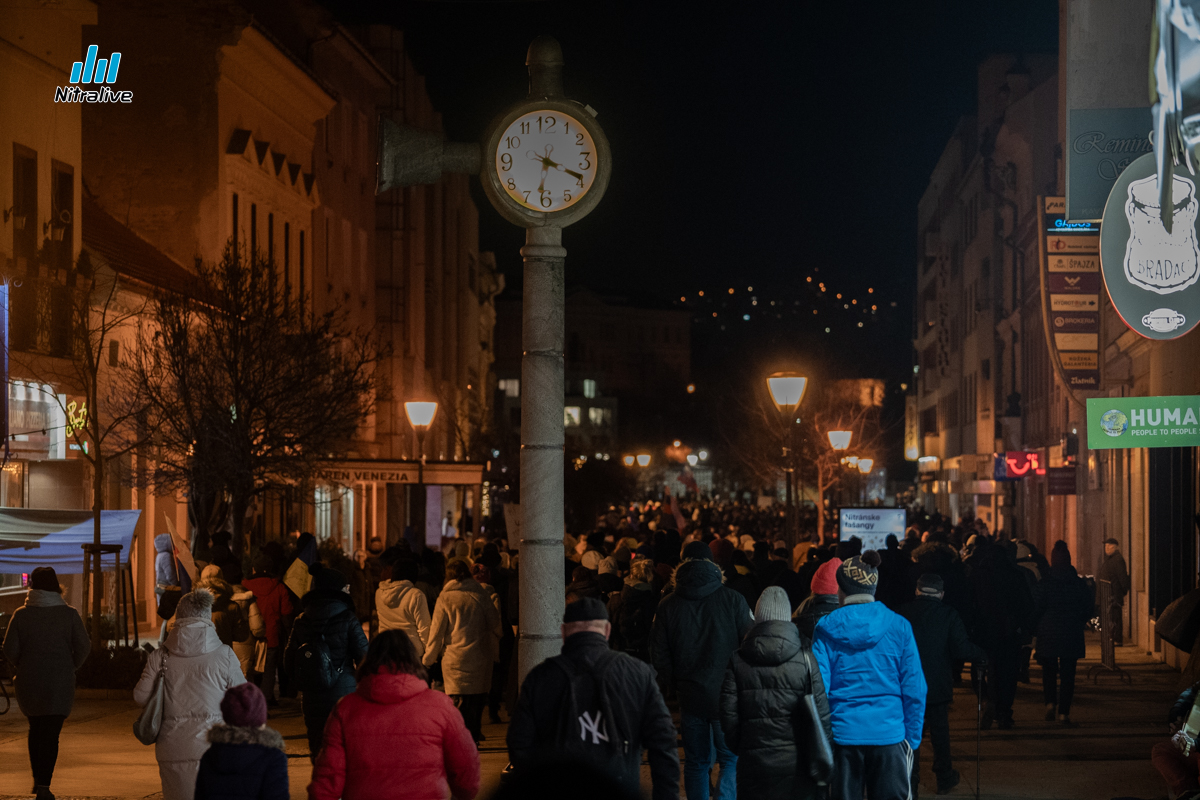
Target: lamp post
[787,390]
[864,468]
[420,415]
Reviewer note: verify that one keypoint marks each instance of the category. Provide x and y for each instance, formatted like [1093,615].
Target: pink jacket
[394,738]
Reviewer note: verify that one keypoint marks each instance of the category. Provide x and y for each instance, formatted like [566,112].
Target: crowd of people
[795,671]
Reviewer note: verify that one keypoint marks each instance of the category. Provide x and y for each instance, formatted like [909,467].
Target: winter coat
[199,671]
[1064,605]
[1113,570]
[942,642]
[942,560]
[637,705]
[46,642]
[765,683]
[696,630]
[812,610]
[232,626]
[1001,598]
[466,628]
[243,764]
[330,615]
[872,673]
[244,648]
[402,606]
[164,561]
[274,605]
[632,615]
[362,590]
[394,738]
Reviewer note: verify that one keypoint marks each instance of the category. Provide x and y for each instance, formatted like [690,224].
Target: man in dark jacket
[696,630]
[622,708]
[1113,570]
[632,611]
[942,642]
[329,618]
[1003,615]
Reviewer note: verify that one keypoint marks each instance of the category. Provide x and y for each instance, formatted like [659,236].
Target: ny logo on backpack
[593,726]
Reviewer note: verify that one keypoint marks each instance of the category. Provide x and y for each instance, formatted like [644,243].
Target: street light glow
[693,459]
[420,413]
[643,460]
[840,440]
[787,388]
[628,461]
[703,455]
[865,464]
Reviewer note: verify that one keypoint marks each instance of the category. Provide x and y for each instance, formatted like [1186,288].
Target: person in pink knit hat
[822,600]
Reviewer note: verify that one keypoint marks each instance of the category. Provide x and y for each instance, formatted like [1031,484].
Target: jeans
[1052,670]
[43,747]
[703,743]
[471,708]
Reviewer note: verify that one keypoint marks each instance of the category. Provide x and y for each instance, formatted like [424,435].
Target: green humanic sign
[1115,423]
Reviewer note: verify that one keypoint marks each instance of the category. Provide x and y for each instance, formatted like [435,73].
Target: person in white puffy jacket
[402,606]
[199,669]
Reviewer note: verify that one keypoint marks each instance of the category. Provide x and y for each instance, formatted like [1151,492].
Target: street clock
[546,162]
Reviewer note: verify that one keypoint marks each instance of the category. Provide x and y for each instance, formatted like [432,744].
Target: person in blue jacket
[872,672]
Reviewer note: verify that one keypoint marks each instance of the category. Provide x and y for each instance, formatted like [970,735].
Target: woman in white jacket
[198,671]
[402,606]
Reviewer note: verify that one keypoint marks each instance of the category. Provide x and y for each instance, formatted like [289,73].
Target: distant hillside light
[691,388]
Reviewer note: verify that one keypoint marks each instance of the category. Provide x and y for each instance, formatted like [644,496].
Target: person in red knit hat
[822,600]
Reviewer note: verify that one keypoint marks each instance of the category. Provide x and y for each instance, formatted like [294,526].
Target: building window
[300,272]
[287,264]
[62,213]
[589,388]
[600,417]
[24,200]
[235,225]
[510,386]
[271,241]
[253,232]
[572,416]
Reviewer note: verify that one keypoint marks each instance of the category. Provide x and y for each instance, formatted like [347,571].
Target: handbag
[149,722]
[818,752]
[260,656]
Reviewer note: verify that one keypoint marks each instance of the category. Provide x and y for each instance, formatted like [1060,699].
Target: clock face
[546,160]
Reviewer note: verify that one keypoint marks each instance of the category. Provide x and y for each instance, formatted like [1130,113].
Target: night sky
[754,145]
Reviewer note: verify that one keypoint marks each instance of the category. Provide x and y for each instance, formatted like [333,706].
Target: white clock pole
[543,390]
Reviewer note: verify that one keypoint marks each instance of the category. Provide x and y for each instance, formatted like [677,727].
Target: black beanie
[697,551]
[859,574]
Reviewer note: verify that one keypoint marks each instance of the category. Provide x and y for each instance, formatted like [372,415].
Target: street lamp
[865,464]
[643,460]
[693,459]
[787,390]
[628,461]
[840,440]
[420,415]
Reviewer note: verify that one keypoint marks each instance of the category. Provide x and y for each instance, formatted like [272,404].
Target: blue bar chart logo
[93,70]
[99,72]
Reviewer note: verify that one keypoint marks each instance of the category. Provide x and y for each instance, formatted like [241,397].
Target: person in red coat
[275,606]
[393,711]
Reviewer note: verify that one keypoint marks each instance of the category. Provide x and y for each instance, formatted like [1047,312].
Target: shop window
[572,416]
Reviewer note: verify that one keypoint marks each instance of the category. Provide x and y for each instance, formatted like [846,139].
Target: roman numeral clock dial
[546,161]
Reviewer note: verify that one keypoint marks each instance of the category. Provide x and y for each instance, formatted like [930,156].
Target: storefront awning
[42,537]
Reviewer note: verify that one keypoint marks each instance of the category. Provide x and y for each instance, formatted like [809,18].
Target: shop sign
[1060,480]
[1016,464]
[1121,422]
[1072,285]
[1101,143]
[912,429]
[1152,275]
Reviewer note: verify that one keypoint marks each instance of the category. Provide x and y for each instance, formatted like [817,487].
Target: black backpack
[314,665]
[591,735]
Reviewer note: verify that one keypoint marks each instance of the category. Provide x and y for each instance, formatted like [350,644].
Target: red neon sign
[1018,463]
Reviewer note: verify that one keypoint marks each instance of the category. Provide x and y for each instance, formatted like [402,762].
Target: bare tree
[111,422]
[251,390]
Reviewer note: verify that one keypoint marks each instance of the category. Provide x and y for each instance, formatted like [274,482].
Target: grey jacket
[46,642]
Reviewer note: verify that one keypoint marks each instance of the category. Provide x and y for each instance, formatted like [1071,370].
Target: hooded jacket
[872,673]
[257,630]
[466,628]
[403,607]
[46,642]
[767,679]
[394,738]
[696,630]
[1063,605]
[232,626]
[243,764]
[274,605]
[199,670]
[164,561]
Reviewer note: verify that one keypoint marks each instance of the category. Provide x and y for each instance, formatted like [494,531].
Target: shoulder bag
[149,722]
[817,755]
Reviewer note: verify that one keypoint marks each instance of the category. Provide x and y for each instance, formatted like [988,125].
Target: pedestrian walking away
[46,642]
[197,670]
[1063,605]
[762,696]
[402,606]
[595,706]
[942,644]
[275,605]
[393,711]
[872,674]
[327,641]
[696,630]
[245,759]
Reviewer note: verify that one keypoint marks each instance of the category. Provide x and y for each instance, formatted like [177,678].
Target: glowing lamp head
[420,414]
[850,461]
[643,460]
[693,459]
[865,464]
[787,389]
[840,440]
[703,455]
[628,460]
